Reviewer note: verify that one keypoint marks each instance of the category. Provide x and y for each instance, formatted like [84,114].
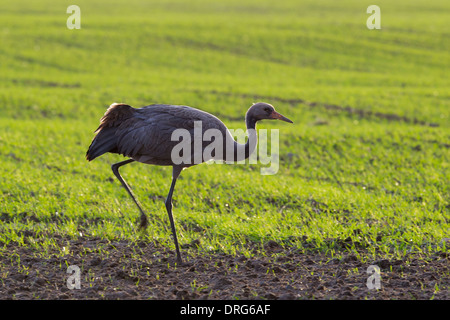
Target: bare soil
[122,270]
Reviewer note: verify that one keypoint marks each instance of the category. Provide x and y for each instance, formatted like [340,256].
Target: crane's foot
[143,223]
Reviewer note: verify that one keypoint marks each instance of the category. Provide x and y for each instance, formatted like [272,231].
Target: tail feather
[105,141]
[106,138]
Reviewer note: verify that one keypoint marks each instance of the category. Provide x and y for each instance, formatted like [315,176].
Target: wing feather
[146,136]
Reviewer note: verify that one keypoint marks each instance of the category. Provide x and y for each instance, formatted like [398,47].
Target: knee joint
[168,204]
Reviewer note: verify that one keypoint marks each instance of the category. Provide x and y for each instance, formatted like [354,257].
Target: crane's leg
[115,168]
[168,202]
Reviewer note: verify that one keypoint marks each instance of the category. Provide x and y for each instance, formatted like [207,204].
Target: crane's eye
[267,110]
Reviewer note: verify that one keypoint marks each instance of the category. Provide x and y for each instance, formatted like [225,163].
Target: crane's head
[262,110]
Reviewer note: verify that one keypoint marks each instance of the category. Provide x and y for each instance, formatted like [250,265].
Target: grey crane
[146,135]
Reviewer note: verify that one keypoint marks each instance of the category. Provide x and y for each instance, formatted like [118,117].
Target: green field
[363,169]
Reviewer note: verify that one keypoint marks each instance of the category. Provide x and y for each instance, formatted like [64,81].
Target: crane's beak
[276,115]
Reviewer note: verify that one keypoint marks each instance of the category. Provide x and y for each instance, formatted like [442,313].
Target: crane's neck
[243,151]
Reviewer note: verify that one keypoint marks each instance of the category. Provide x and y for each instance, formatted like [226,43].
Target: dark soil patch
[123,270]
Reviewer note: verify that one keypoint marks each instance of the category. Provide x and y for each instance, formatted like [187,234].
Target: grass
[364,168]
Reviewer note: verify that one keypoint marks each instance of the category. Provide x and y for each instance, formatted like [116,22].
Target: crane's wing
[148,136]
[145,134]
